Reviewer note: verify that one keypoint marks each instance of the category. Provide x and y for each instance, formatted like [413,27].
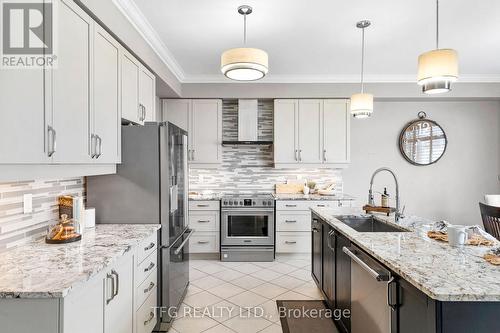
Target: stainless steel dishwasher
[370,298]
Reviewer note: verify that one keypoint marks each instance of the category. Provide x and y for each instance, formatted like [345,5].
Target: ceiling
[317,41]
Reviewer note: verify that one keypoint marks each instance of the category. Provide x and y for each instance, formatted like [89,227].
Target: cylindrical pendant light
[438,68]
[244,63]
[362,103]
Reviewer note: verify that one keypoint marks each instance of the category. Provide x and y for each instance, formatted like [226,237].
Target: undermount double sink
[368,224]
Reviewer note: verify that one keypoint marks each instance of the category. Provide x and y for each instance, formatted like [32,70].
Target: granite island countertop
[442,272]
[40,270]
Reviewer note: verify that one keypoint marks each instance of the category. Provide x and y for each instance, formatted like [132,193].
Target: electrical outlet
[28,203]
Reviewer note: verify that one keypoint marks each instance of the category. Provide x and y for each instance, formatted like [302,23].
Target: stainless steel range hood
[248,117]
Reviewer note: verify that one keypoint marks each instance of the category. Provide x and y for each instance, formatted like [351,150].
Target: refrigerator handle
[179,249]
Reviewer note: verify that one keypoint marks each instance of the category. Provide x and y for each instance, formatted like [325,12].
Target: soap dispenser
[385,198]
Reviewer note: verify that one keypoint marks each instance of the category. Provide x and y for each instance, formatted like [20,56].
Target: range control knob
[270,203]
[241,203]
[230,203]
[225,203]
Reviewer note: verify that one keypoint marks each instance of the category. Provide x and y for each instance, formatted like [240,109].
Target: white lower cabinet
[204,218]
[293,223]
[116,300]
[119,294]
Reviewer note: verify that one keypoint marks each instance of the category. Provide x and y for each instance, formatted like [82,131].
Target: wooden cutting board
[289,188]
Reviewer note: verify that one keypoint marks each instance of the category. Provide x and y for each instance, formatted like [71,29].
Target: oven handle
[191,232]
[247,210]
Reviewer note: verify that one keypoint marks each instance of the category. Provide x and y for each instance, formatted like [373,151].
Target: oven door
[247,227]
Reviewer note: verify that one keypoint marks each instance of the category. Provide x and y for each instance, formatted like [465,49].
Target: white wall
[449,189]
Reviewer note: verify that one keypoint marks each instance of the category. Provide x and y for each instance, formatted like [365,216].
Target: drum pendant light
[244,63]
[438,68]
[362,103]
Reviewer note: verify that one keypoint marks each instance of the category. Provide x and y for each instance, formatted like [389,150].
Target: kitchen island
[437,288]
[85,286]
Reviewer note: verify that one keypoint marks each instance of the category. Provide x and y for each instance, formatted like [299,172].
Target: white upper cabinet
[138,90]
[131,110]
[147,94]
[106,115]
[23,127]
[177,112]
[311,132]
[285,131]
[336,131]
[202,118]
[206,131]
[310,124]
[69,87]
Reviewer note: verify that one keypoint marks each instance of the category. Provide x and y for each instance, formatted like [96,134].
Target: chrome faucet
[371,202]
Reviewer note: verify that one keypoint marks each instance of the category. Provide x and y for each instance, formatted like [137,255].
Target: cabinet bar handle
[296,152]
[93,147]
[203,221]
[149,288]
[149,247]
[320,205]
[300,155]
[290,221]
[51,140]
[113,272]
[290,242]
[150,267]
[110,276]
[151,316]
[203,242]
[315,230]
[99,139]
[324,155]
[290,205]
[202,205]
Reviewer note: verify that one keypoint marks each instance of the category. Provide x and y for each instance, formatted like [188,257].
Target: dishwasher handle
[376,275]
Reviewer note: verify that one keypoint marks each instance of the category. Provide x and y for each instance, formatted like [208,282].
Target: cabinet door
[130,88]
[343,279]
[177,111]
[119,307]
[84,308]
[329,265]
[336,131]
[317,251]
[70,86]
[147,93]
[106,96]
[285,131]
[206,131]
[310,138]
[416,312]
[23,127]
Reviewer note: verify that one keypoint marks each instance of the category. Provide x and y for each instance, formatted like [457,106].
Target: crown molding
[134,15]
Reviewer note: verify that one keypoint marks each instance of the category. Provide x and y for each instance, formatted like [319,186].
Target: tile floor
[228,297]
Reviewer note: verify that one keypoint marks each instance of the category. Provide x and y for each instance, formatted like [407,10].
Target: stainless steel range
[247,228]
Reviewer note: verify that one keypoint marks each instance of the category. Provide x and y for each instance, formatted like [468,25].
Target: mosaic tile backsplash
[17,227]
[247,169]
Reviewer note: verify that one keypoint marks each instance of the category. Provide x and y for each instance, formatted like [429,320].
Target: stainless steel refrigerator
[151,186]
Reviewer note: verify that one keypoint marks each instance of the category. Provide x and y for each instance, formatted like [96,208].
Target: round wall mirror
[422,141]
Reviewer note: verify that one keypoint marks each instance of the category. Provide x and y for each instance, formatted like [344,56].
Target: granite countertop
[339,196]
[442,272]
[40,270]
[205,196]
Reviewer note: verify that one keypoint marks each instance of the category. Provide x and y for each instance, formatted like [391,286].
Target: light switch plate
[28,203]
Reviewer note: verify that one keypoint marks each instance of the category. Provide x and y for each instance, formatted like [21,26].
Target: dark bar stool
[491,219]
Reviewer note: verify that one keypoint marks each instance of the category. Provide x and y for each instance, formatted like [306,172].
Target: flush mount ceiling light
[438,68]
[362,104]
[244,63]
